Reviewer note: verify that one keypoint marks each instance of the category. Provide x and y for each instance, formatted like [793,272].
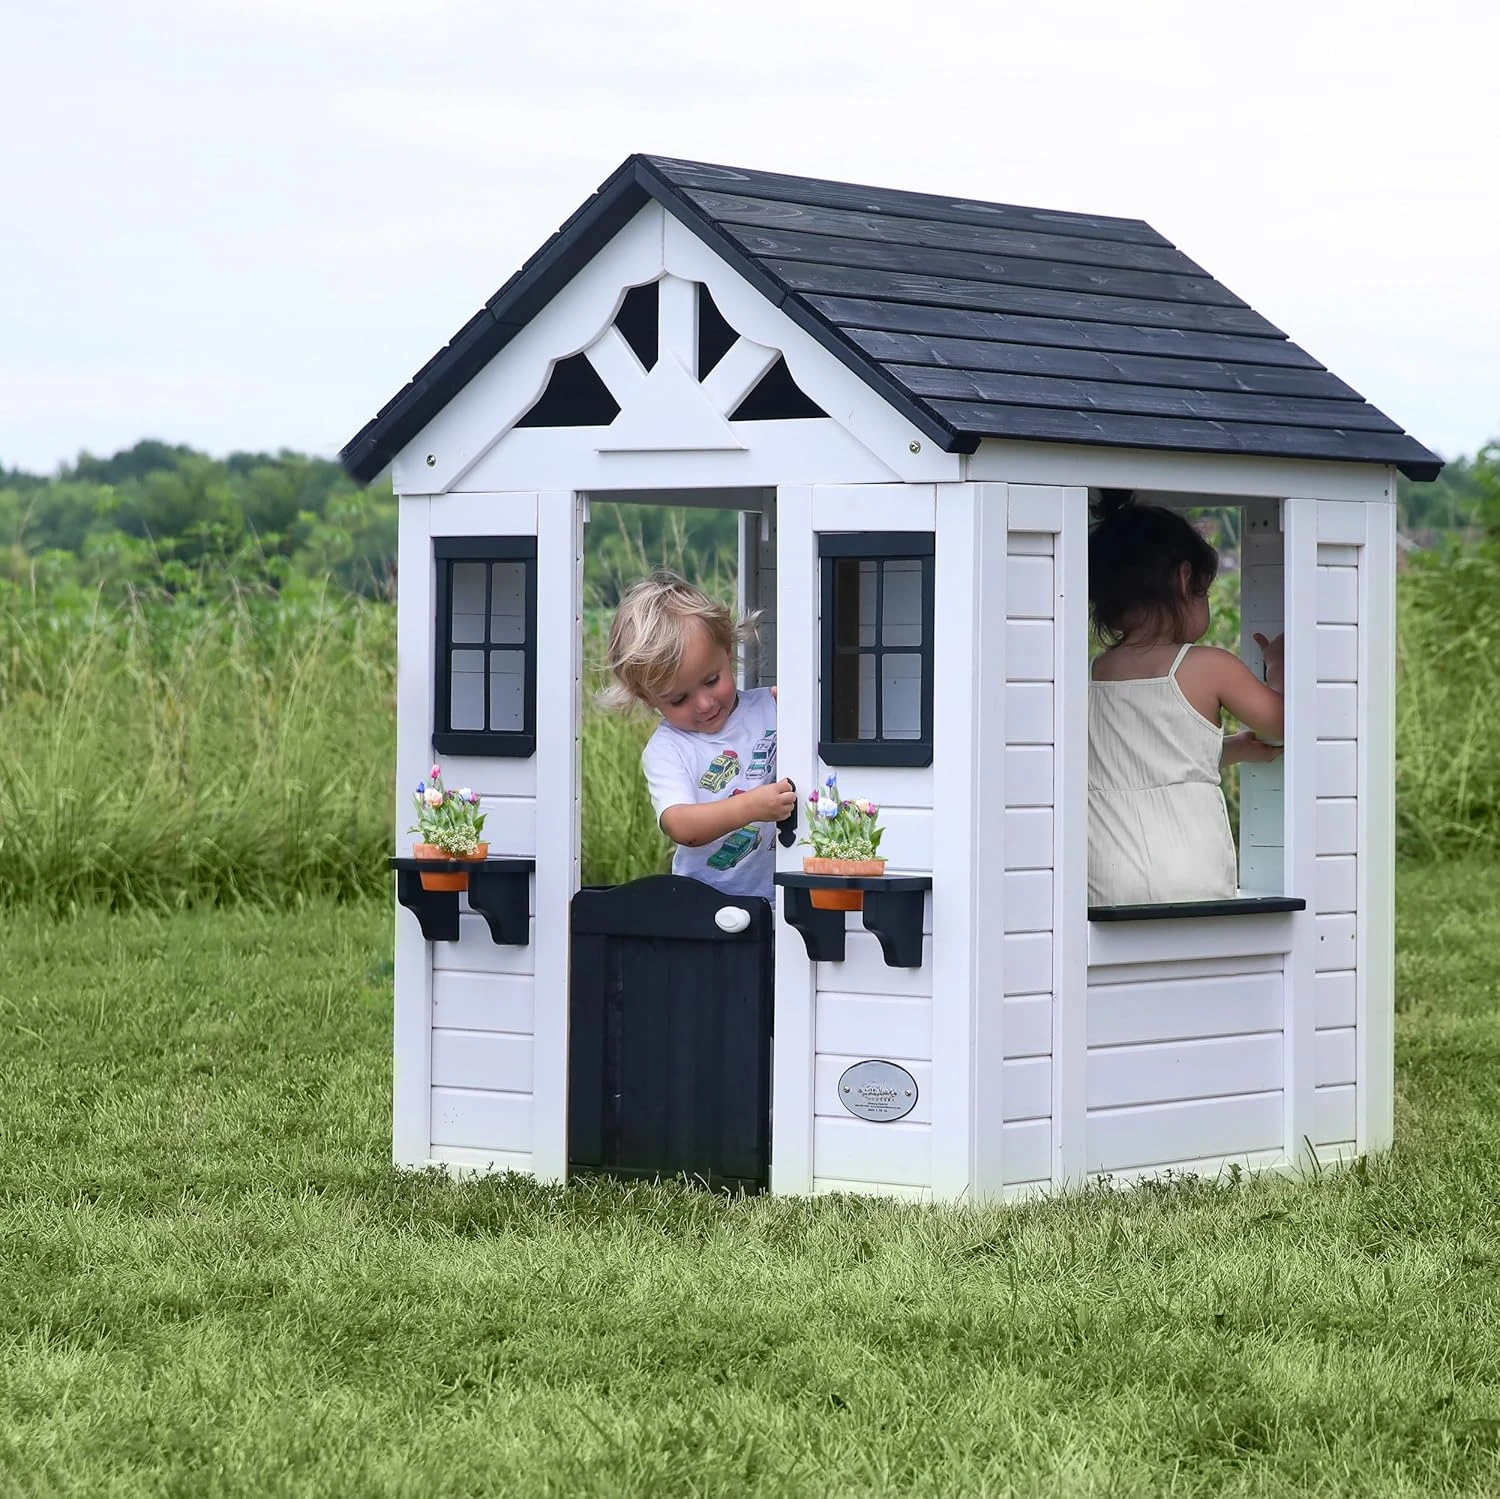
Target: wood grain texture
[906,316]
[1181,373]
[980,265]
[1141,400]
[884,200]
[940,233]
[989,296]
[1042,424]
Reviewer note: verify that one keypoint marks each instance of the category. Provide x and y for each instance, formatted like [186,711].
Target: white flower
[433,797]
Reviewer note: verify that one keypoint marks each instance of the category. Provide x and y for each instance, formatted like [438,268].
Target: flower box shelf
[499,890]
[892,911]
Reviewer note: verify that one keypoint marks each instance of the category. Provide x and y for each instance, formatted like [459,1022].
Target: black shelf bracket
[498,891]
[892,912]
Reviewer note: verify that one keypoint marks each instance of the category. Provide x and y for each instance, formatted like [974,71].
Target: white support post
[1299,1081]
[677,322]
[796,756]
[956,770]
[1262,849]
[411,1091]
[986,980]
[1070,928]
[1376,838]
[559,628]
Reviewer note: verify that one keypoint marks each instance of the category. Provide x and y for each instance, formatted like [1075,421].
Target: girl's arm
[1221,674]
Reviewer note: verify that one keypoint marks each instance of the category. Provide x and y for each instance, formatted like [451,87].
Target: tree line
[166,517]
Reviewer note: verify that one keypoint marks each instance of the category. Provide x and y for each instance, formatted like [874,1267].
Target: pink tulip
[435,772]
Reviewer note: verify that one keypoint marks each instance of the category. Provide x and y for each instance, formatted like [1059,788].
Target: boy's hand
[774,802]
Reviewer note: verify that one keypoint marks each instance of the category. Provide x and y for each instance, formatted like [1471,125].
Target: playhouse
[907,399]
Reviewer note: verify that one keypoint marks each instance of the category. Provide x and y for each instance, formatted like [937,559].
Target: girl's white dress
[1158,827]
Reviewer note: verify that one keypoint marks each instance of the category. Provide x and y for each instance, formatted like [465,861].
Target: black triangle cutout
[575,397]
[776,398]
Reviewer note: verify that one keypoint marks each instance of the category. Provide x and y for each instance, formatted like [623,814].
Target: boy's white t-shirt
[685,769]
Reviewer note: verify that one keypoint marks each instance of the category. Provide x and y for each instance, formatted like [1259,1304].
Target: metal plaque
[879,1091]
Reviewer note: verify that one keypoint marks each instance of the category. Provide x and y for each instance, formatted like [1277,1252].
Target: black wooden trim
[499,890]
[485,548]
[1040,424]
[892,911]
[494,743]
[879,546]
[1248,905]
[899,752]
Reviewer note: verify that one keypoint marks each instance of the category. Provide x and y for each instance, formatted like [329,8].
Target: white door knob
[731,918]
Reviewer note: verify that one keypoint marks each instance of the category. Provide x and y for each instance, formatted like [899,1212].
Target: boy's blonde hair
[650,632]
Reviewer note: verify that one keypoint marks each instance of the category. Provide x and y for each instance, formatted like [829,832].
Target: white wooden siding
[1044,845]
[481,1063]
[1335,895]
[1185,1060]
[861,1008]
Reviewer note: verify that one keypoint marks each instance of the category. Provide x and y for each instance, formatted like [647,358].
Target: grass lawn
[212,1283]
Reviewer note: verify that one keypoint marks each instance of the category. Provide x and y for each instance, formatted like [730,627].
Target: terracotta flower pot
[446,879]
[840,900]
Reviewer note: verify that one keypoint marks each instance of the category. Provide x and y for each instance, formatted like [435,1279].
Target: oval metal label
[878,1091]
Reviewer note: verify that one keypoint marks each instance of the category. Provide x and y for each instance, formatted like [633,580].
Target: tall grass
[185,753]
[242,750]
[1448,705]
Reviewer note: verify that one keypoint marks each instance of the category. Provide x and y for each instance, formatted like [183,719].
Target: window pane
[468,601]
[901,697]
[507,692]
[901,611]
[466,690]
[867,697]
[853,603]
[508,604]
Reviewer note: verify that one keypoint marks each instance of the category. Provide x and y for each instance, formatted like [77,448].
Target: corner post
[1299,1004]
[559,524]
[796,736]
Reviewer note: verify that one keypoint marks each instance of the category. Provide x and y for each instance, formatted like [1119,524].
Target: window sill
[1245,905]
[499,891]
[892,911]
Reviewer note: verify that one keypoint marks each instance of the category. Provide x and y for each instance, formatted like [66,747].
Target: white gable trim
[671,430]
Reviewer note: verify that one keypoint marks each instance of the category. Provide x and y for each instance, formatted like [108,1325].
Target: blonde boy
[711,764]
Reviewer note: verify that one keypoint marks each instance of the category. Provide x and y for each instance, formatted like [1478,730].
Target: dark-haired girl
[1158,827]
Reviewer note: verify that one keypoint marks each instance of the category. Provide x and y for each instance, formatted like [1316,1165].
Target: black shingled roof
[971,319]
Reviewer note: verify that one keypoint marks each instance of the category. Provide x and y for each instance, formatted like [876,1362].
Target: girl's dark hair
[1136,553]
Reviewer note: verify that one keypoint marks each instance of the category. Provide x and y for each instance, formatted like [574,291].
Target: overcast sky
[243,224]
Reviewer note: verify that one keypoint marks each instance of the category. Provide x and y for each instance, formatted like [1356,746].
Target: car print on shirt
[722,769]
[736,847]
[763,758]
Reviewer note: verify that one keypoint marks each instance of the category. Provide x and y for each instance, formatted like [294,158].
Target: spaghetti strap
[1178,659]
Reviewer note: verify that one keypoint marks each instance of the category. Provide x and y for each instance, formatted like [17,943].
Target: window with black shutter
[876,648]
[485,702]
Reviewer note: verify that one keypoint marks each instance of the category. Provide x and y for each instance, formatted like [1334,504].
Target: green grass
[213,1284]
